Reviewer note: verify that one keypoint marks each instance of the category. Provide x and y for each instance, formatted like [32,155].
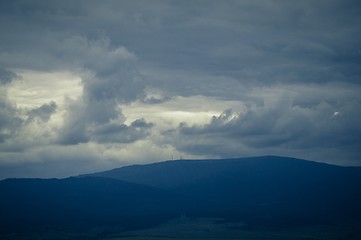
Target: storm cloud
[141,81]
[42,113]
[7,76]
[296,128]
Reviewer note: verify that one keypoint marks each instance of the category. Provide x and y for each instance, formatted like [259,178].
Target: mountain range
[259,191]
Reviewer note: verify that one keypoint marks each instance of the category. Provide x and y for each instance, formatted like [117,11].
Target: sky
[89,85]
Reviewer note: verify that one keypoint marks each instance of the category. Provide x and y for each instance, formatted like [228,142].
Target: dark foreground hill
[262,191]
[78,204]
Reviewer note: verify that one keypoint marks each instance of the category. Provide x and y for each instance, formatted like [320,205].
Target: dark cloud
[7,76]
[252,42]
[22,130]
[109,78]
[141,123]
[283,126]
[272,41]
[43,112]
[10,120]
[100,121]
[121,133]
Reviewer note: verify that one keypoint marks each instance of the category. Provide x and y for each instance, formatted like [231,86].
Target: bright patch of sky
[35,88]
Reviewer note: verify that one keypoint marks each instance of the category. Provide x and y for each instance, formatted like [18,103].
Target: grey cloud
[74,126]
[141,123]
[82,115]
[264,43]
[154,96]
[43,112]
[109,78]
[251,41]
[121,133]
[22,129]
[123,86]
[9,120]
[99,121]
[290,127]
[108,133]
[153,100]
[7,76]
[103,91]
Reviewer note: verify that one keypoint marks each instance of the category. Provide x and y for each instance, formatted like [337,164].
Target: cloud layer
[169,78]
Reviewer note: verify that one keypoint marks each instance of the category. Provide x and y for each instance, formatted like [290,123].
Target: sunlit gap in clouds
[193,110]
[34,89]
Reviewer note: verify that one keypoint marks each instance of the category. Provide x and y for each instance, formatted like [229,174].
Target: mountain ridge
[243,186]
[129,172]
[259,191]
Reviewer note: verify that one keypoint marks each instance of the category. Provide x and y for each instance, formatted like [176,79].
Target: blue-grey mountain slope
[263,190]
[82,204]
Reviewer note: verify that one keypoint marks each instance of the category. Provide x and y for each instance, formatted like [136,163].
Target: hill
[76,204]
[264,191]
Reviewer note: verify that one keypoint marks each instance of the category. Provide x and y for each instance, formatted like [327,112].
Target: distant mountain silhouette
[267,191]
